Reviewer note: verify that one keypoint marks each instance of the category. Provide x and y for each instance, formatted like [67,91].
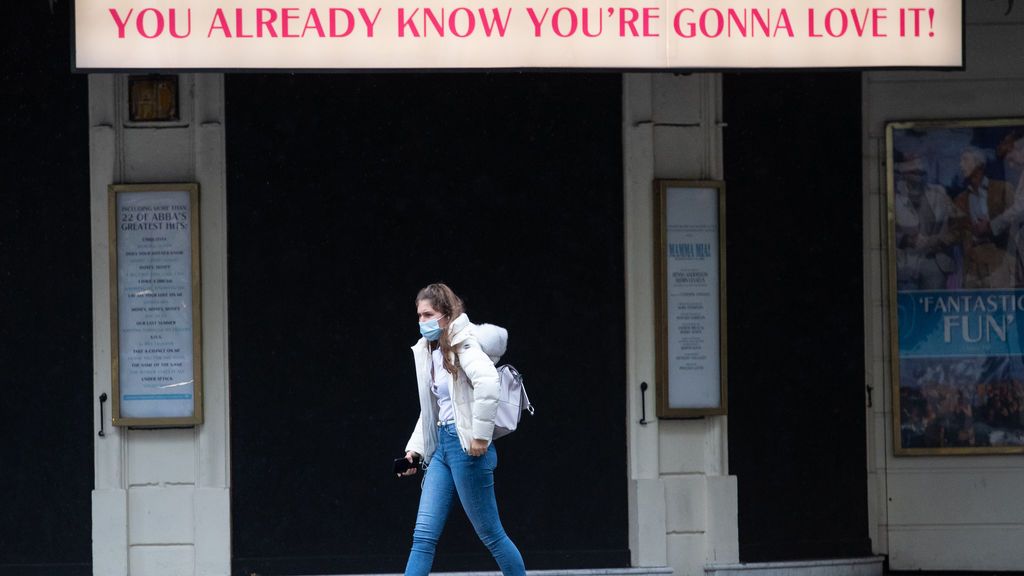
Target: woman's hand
[478,447]
[411,457]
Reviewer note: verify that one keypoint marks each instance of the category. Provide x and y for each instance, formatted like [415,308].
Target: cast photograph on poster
[956,254]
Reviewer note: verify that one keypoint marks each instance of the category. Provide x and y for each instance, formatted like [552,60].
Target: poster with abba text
[690,282]
[155,305]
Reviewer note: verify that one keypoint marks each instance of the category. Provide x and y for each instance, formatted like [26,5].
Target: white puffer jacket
[474,391]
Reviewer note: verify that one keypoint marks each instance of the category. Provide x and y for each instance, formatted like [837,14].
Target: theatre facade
[316,204]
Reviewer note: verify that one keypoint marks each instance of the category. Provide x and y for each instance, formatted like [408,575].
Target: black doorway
[46,453]
[796,334]
[347,193]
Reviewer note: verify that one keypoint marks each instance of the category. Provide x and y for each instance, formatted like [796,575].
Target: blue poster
[957,228]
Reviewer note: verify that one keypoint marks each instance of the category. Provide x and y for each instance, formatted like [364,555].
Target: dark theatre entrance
[46,426]
[796,329]
[347,193]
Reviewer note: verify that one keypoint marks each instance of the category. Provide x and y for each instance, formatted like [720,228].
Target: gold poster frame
[196,286]
[892,287]
[663,410]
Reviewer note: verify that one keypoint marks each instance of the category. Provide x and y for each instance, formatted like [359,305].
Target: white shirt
[979,203]
[441,388]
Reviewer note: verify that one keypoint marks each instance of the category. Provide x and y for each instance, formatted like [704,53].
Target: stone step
[870,566]
[652,571]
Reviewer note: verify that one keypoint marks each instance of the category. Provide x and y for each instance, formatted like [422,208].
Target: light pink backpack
[512,400]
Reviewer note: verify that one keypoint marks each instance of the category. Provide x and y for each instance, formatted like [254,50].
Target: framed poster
[955,192]
[156,348]
[689,274]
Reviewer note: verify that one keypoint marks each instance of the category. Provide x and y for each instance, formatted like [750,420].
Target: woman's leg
[474,481]
[435,502]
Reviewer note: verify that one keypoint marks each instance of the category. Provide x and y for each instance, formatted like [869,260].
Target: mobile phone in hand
[401,465]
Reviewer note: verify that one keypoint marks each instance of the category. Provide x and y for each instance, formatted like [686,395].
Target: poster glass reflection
[955,193]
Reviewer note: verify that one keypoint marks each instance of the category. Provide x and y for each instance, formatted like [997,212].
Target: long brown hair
[450,306]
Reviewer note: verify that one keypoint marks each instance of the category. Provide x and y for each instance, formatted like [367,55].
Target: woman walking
[458,391]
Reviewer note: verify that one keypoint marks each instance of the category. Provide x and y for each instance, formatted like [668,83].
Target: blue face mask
[431,330]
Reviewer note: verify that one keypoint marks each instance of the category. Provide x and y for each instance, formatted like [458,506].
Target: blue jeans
[452,471]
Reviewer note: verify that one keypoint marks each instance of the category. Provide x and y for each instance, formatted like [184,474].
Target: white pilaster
[161,499]
[682,503]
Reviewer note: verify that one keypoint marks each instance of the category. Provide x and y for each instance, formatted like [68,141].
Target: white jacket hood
[493,340]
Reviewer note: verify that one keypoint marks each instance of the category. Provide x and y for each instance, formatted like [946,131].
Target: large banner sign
[956,196]
[454,34]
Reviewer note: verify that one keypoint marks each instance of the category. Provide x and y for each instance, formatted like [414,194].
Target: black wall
[796,334]
[348,193]
[46,413]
